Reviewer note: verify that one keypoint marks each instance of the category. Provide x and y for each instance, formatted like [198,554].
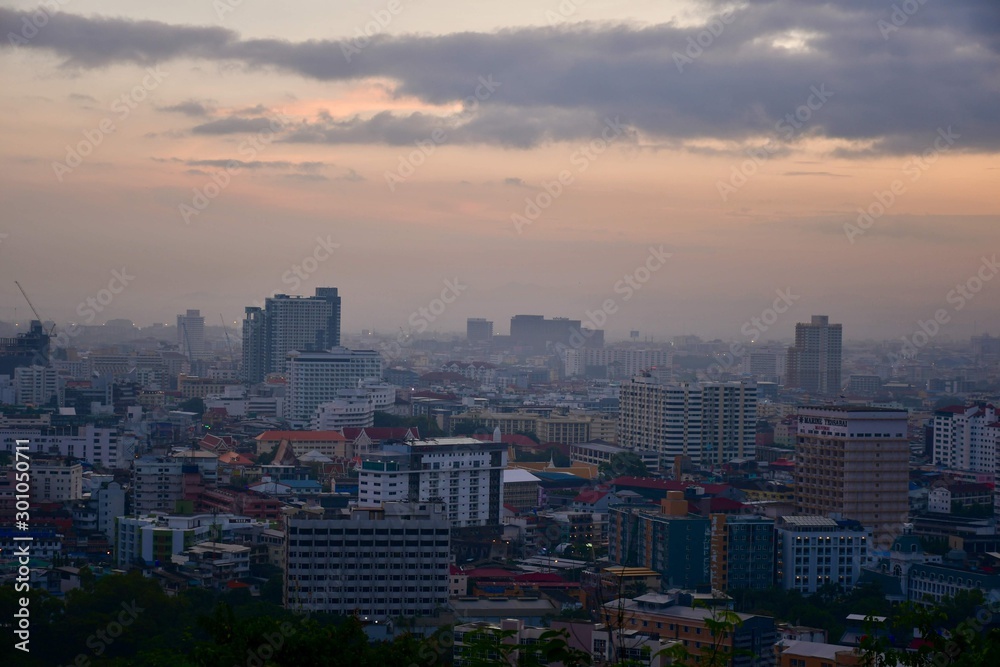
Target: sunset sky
[842,103]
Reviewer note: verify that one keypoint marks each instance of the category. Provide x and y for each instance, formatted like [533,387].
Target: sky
[675,167]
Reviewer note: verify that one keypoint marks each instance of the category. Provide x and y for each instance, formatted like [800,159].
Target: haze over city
[743,138]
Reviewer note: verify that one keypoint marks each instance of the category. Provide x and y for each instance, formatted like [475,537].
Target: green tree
[624,464]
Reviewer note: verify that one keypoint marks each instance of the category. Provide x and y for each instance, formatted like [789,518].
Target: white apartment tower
[966,438]
[662,418]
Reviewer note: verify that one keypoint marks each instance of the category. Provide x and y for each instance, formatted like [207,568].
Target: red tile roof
[590,497]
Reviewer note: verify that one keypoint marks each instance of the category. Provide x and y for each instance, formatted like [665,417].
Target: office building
[661,418]
[814,362]
[729,422]
[853,462]
[384,562]
[478,330]
[285,324]
[538,334]
[742,552]
[157,484]
[191,335]
[665,539]
[318,377]
[813,551]
[465,473]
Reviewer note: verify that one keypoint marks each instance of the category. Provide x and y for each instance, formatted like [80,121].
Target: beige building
[52,480]
[327,443]
[854,461]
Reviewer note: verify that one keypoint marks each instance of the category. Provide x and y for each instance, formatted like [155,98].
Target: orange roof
[302,436]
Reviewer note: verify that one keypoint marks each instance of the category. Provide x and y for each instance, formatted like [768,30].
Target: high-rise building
[382,562]
[191,335]
[742,553]
[353,408]
[478,330]
[813,551]
[157,484]
[285,324]
[661,418]
[465,473]
[966,438]
[729,421]
[853,462]
[814,362]
[318,377]
[667,539]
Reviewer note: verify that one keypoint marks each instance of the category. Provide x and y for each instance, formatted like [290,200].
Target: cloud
[192,108]
[517,182]
[891,90]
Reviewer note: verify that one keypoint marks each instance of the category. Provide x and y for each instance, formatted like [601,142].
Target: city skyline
[548,152]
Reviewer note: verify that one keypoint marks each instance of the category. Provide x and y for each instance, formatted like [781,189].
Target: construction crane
[33,309]
[226,331]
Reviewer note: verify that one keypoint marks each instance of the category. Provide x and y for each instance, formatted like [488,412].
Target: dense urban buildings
[538,334]
[815,361]
[853,461]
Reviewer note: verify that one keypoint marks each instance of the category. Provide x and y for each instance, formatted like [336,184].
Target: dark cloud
[516,182]
[892,85]
[192,108]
